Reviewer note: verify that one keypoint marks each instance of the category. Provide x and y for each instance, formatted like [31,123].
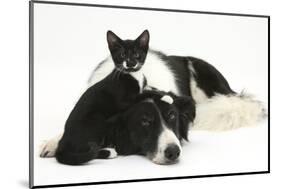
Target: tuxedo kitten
[128,55]
[133,57]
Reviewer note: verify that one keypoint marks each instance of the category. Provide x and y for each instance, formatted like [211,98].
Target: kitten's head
[128,55]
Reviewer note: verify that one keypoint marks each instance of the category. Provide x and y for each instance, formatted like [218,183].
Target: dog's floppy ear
[186,107]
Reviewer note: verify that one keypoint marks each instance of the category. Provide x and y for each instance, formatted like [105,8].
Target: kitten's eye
[122,55]
[136,55]
[172,116]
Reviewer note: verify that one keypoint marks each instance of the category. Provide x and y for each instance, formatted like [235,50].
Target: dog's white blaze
[48,148]
[112,151]
[198,94]
[223,112]
[167,99]
[157,73]
[166,137]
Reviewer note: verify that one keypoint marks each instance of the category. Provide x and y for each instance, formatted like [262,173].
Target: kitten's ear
[112,38]
[143,39]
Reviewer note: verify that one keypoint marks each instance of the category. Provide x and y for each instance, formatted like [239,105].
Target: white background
[15,82]
[70,41]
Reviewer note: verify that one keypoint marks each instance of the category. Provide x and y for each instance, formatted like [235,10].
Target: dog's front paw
[48,148]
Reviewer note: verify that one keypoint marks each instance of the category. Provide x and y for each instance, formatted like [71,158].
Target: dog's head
[156,126]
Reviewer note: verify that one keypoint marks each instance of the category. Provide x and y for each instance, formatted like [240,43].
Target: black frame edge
[269,150]
[152,179]
[31,134]
[150,9]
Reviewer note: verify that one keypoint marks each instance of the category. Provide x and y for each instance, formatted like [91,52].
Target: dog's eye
[136,55]
[172,116]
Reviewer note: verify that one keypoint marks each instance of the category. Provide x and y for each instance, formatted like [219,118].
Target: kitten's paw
[107,153]
[48,148]
[112,154]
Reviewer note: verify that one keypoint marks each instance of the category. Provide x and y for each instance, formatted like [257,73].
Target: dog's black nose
[172,152]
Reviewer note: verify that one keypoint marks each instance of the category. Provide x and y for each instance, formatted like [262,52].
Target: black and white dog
[181,76]
[153,127]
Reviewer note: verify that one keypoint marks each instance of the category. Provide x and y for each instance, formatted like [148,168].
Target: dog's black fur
[100,119]
[207,77]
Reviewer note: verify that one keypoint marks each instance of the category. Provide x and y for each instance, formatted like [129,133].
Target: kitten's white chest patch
[140,78]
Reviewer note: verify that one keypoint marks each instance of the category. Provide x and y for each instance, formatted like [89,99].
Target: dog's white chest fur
[158,75]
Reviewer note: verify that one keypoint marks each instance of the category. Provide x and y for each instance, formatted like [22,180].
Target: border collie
[152,127]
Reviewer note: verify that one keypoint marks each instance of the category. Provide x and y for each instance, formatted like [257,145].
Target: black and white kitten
[134,57]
